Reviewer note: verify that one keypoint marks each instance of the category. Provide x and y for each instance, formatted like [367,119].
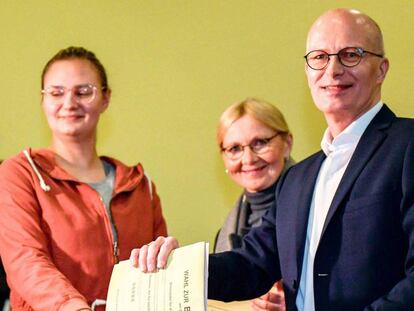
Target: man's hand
[273,300]
[153,255]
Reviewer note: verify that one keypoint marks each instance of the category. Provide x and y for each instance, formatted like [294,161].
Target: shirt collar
[351,135]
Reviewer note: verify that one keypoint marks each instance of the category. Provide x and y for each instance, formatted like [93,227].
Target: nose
[334,66]
[248,156]
[69,99]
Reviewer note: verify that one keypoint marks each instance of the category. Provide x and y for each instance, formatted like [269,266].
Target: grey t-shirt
[105,189]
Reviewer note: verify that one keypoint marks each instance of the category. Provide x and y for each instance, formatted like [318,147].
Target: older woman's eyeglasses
[257,145]
[349,57]
[82,94]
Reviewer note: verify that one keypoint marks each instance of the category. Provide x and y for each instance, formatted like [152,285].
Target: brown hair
[74,52]
[260,110]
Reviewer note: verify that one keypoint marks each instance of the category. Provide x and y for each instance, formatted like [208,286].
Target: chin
[332,106]
[69,133]
[254,187]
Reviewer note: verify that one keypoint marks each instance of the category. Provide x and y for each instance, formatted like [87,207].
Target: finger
[278,286]
[277,298]
[254,308]
[259,304]
[169,244]
[142,258]
[265,304]
[256,305]
[133,258]
[152,254]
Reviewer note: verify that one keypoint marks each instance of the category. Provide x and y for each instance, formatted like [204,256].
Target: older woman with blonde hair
[255,143]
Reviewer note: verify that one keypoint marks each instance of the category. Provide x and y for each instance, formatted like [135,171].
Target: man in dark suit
[341,234]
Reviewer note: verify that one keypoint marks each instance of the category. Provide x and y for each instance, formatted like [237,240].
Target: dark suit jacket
[365,258]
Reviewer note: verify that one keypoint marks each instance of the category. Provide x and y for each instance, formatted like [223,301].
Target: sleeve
[401,296]
[24,246]
[160,226]
[250,271]
[4,289]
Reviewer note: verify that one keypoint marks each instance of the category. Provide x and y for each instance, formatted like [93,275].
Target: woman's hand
[153,255]
[273,300]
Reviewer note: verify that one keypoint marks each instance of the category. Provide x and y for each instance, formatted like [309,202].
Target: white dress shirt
[338,153]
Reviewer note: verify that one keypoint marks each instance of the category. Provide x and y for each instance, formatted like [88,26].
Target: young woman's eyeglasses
[349,57]
[257,145]
[82,94]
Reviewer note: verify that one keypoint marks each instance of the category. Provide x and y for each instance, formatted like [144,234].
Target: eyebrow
[251,140]
[65,87]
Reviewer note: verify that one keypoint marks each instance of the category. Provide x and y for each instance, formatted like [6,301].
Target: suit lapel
[369,142]
[305,198]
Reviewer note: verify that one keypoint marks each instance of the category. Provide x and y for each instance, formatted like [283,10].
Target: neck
[79,159]
[339,121]
[336,127]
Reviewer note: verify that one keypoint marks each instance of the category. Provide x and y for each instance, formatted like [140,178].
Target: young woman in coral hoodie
[67,214]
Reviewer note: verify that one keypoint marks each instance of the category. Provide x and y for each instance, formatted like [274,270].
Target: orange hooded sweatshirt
[56,240]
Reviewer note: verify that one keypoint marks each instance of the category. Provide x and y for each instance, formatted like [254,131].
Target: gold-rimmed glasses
[82,93]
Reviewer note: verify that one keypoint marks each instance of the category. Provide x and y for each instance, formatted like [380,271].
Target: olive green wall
[174,66]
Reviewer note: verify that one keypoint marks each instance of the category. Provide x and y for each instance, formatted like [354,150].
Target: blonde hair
[260,110]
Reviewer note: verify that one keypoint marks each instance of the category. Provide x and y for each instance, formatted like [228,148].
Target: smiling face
[345,93]
[252,171]
[65,115]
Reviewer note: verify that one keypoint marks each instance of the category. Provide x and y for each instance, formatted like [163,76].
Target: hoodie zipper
[116,252]
[114,233]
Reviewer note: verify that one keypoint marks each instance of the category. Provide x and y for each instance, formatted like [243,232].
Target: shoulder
[124,168]
[222,242]
[307,163]
[16,164]
[387,121]
[231,217]
[126,176]
[42,157]
[302,172]
[403,126]
[399,136]
[16,174]
[27,169]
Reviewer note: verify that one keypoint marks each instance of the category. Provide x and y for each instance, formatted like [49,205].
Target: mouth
[335,89]
[70,117]
[254,170]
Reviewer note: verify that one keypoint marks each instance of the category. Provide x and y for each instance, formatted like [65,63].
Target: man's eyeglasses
[82,94]
[257,145]
[349,57]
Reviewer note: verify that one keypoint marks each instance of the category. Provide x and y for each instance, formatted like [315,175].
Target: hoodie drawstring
[43,185]
[98,302]
[149,184]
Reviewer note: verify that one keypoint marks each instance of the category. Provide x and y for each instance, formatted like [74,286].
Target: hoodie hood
[42,161]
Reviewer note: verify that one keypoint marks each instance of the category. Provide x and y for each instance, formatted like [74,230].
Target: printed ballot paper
[214,305]
[181,286]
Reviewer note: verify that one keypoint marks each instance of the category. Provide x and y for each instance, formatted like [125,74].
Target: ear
[306,68]
[383,69]
[106,98]
[288,146]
